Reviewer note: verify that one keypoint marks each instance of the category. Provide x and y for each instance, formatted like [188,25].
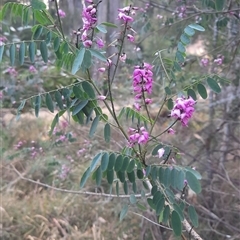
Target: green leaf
[202,91]
[133,199]
[168,91]
[84,178]
[38,5]
[94,126]
[107,133]
[123,212]
[125,187]
[177,66]
[87,60]
[125,164]
[131,176]
[134,187]
[79,107]
[78,61]
[78,92]
[150,203]
[193,216]
[95,161]
[141,207]
[37,32]
[121,176]
[44,51]
[101,28]
[117,188]
[156,196]
[166,213]
[131,166]
[193,182]
[176,223]
[181,47]
[1,52]
[54,123]
[194,172]
[170,104]
[98,176]
[37,105]
[48,37]
[118,163]
[32,50]
[179,211]
[56,44]
[98,55]
[110,176]
[180,180]
[108,24]
[22,53]
[111,162]
[196,27]
[49,103]
[104,161]
[166,178]
[140,174]
[160,206]
[154,173]
[12,51]
[191,93]
[220,4]
[154,190]
[185,39]
[87,87]
[213,85]
[58,98]
[179,57]
[189,31]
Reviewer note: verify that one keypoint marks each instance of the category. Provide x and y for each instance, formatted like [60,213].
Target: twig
[149,220]
[73,191]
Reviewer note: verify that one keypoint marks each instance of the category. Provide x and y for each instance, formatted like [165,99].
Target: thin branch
[73,191]
[149,220]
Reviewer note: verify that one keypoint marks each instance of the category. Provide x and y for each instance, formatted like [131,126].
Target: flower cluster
[183,109]
[89,17]
[204,62]
[219,60]
[142,82]
[139,136]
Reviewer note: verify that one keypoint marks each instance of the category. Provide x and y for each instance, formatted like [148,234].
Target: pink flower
[102,69]
[171,131]
[124,17]
[12,71]
[32,69]
[100,43]
[123,57]
[64,124]
[87,43]
[101,97]
[61,13]
[204,62]
[161,152]
[219,60]
[1,95]
[140,136]
[183,109]
[79,152]
[159,16]
[148,101]
[130,38]
[137,106]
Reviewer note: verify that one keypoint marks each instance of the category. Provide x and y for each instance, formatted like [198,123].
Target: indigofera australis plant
[161,180]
